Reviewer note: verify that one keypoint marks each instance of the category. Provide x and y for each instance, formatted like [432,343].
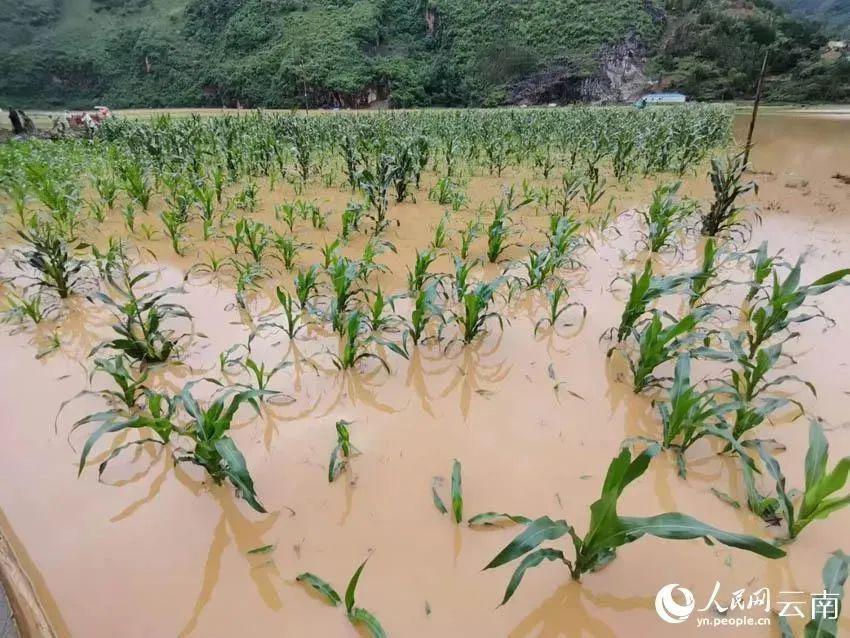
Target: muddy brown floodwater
[156,551]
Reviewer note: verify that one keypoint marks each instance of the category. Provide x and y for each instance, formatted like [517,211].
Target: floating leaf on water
[320,586]
[492,519]
[726,498]
[265,549]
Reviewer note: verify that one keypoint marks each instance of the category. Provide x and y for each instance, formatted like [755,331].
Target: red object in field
[97,116]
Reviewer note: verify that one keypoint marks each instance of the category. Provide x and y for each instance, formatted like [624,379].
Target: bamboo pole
[755,111]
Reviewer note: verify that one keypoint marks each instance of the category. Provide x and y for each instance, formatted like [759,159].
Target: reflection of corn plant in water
[356,615]
[608,531]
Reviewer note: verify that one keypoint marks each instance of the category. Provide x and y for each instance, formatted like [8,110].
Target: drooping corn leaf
[488,519]
[435,496]
[237,471]
[320,586]
[676,526]
[533,559]
[541,529]
[361,616]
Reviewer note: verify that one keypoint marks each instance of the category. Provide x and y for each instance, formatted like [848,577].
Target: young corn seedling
[571,186]
[592,191]
[727,180]
[498,232]
[777,311]
[705,279]
[375,181]
[564,237]
[461,278]
[288,249]
[135,182]
[658,344]
[174,224]
[49,257]
[539,267]
[456,494]
[353,344]
[380,318]
[820,498]
[425,311]
[342,452]
[689,413]
[468,235]
[212,449]
[749,385]
[762,266]
[307,285]
[824,622]
[286,213]
[557,305]
[292,313]
[141,335]
[419,276]
[343,274]
[20,308]
[248,278]
[351,217]
[664,216]
[441,233]
[644,290]
[608,531]
[330,252]
[356,615]
[472,319]
[156,416]
[255,237]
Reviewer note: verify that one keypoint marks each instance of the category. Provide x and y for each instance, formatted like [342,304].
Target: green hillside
[835,14]
[408,52]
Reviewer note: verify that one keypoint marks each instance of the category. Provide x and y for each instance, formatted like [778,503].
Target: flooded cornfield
[242,356]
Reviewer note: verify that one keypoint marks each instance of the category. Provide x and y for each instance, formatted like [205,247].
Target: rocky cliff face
[620,78]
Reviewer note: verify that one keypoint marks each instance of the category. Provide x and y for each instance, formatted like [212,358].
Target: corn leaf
[457,493]
[531,560]
[834,577]
[352,586]
[320,586]
[541,529]
[361,616]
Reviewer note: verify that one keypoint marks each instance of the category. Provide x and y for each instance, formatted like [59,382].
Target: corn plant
[823,623]
[762,266]
[255,236]
[306,285]
[291,313]
[420,276]
[248,278]
[540,266]
[356,615]
[690,413]
[571,186]
[353,343]
[174,224]
[664,216]
[461,278]
[342,452]
[141,335]
[441,233]
[425,310]
[456,494]
[379,317]
[776,312]
[375,181]
[287,214]
[157,415]
[498,232]
[23,307]
[468,235]
[288,249]
[212,449]
[658,344]
[50,258]
[343,274]
[564,237]
[557,306]
[330,252]
[705,279]
[131,388]
[473,317]
[727,180]
[643,291]
[351,218]
[135,182]
[608,531]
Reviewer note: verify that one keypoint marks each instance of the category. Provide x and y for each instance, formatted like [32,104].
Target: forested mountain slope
[404,52]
